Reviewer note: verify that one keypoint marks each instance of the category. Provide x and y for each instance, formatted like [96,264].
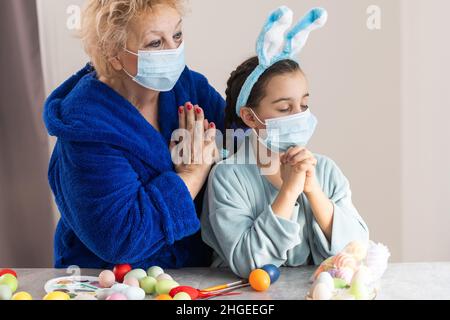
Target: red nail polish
[212,125]
[189,107]
[180,110]
[198,110]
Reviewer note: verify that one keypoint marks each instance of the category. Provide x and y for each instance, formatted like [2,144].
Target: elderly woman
[121,198]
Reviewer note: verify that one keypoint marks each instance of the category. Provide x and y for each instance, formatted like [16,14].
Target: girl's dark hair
[237,80]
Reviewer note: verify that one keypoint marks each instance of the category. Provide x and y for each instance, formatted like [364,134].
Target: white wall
[371,90]
[61,51]
[426,130]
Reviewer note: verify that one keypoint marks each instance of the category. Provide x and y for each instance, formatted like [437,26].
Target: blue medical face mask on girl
[286,132]
[159,70]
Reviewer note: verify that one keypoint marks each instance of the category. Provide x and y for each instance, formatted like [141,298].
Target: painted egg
[9,280]
[164,276]
[326,279]
[22,296]
[273,271]
[154,272]
[134,293]
[192,292]
[359,287]
[107,279]
[318,271]
[345,260]
[102,294]
[322,292]
[259,280]
[345,274]
[132,282]
[120,271]
[363,276]
[117,296]
[57,295]
[119,287]
[182,296]
[136,273]
[359,291]
[5,292]
[148,284]
[164,286]
[164,297]
[340,283]
[8,271]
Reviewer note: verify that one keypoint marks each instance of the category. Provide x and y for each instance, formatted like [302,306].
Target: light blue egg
[134,293]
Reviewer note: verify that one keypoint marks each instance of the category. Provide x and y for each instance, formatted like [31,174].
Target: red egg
[120,271]
[8,271]
[192,292]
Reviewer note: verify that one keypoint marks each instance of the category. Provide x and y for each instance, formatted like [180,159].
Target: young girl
[300,213]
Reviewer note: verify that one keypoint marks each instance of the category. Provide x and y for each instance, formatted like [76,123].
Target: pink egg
[132,282]
[117,296]
[164,276]
[106,279]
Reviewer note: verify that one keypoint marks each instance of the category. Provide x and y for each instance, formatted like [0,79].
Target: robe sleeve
[119,217]
[348,225]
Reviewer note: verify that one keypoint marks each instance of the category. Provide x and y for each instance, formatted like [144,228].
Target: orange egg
[164,297]
[259,280]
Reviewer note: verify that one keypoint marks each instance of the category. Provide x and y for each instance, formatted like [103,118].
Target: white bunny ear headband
[276,43]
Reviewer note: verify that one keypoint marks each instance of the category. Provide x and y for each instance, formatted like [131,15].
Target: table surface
[422,281]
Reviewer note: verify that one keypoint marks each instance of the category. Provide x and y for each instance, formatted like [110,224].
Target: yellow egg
[22,296]
[164,297]
[57,295]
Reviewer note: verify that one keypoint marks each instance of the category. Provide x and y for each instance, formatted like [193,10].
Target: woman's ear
[248,117]
[116,64]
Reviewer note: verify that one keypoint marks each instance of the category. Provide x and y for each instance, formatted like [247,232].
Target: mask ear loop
[260,139]
[133,53]
[257,118]
[123,67]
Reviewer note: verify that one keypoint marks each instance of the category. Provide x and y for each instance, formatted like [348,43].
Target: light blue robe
[239,224]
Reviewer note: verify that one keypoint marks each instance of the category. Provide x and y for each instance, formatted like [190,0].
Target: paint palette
[74,285]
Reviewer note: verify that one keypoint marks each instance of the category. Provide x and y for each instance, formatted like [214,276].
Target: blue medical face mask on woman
[159,70]
[286,132]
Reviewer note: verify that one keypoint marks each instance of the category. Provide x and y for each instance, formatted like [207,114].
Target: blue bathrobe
[113,179]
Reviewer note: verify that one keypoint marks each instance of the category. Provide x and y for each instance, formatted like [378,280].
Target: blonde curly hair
[104,27]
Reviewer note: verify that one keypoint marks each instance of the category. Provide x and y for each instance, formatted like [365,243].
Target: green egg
[154,272]
[136,273]
[148,284]
[340,283]
[5,292]
[164,286]
[10,281]
[182,296]
[359,291]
